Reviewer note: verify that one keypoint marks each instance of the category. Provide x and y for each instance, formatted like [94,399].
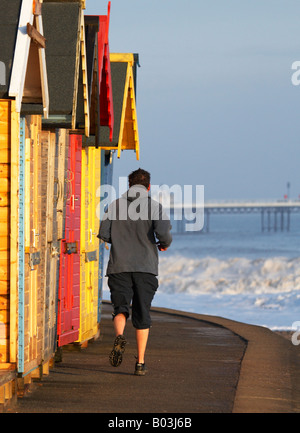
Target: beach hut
[23,101]
[101,97]
[69,118]
[76,58]
[31,306]
[125,135]
[54,148]
[101,106]
[125,132]
[69,283]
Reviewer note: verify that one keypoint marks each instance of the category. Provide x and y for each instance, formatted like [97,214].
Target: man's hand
[161,248]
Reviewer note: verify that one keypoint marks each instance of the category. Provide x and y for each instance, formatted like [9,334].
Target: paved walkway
[197,364]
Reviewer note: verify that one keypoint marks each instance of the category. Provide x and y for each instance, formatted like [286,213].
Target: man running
[136,227]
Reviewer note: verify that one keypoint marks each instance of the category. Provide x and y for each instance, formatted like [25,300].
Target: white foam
[260,291]
[231,276]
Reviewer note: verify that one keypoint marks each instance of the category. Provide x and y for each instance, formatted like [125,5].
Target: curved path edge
[269,380]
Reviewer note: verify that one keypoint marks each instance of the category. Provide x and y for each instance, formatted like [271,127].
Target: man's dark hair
[139,177]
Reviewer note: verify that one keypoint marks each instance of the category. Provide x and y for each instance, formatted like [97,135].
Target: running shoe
[140,369]
[116,354]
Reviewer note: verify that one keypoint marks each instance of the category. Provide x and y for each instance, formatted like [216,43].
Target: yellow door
[89,243]
[9,161]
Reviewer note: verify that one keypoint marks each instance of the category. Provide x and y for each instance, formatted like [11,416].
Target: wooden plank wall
[34,298]
[5,140]
[95,229]
[48,149]
[69,287]
[47,189]
[89,267]
[54,151]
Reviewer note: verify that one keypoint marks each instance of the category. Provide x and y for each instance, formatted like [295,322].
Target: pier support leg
[207,221]
[269,221]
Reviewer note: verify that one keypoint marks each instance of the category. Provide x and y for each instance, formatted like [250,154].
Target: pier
[274,215]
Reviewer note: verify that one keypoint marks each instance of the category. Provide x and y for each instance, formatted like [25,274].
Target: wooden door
[33,288]
[91,160]
[9,163]
[54,146]
[69,285]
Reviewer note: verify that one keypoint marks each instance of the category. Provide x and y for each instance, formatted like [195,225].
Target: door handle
[73,199]
[91,235]
[34,235]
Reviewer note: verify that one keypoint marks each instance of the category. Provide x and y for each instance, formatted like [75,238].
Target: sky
[216,104]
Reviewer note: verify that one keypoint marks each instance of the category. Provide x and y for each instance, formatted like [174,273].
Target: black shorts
[138,287]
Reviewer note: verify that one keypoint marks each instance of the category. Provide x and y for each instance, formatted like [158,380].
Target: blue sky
[215,101]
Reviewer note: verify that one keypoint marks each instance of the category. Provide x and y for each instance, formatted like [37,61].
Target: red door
[69,287]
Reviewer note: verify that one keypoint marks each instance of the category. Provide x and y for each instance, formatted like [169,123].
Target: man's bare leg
[119,324]
[141,341]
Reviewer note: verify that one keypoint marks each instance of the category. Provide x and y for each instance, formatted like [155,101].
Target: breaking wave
[233,276]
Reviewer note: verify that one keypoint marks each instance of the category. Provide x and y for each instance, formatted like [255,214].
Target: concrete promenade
[197,364]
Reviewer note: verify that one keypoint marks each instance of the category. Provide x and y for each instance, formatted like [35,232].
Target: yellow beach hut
[23,101]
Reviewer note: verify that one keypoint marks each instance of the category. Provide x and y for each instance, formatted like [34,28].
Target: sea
[235,271]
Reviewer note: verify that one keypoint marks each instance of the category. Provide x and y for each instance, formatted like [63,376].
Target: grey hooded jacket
[134,225]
